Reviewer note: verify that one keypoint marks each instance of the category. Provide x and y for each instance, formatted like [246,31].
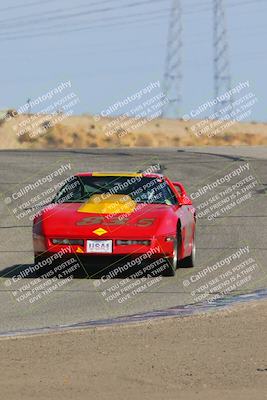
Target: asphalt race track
[240,232]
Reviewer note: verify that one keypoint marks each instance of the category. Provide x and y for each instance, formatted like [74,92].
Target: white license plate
[99,246]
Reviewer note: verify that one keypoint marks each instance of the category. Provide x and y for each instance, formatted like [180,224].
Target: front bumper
[158,247]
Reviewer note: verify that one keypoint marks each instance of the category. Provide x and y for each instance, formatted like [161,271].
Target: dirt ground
[220,356]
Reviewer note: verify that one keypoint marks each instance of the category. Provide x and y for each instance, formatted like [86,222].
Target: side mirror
[185,200]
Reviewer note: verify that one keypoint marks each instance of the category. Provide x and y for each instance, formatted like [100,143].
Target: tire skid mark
[174,312]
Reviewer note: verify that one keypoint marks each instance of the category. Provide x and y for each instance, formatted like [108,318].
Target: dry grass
[84,132]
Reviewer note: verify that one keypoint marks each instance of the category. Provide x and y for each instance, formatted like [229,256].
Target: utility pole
[29,106]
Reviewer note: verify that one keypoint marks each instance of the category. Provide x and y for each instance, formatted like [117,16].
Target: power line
[64,17]
[54,12]
[79,23]
[91,27]
[34,3]
[28,23]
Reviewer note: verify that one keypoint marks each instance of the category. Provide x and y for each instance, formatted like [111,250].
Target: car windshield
[79,189]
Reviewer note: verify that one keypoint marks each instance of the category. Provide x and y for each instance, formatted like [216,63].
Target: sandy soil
[33,132]
[219,356]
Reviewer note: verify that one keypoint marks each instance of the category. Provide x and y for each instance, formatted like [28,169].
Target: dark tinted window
[141,190]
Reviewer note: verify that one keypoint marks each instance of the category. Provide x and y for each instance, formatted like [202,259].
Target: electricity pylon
[173,77]
[222,77]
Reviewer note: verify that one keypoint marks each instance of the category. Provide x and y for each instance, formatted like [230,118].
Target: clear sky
[109,49]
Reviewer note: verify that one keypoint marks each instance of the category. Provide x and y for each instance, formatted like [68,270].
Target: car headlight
[68,241]
[169,239]
[130,242]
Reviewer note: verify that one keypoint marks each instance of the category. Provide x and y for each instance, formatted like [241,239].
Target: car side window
[171,196]
[168,194]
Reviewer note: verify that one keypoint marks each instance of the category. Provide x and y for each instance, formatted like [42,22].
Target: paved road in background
[244,226]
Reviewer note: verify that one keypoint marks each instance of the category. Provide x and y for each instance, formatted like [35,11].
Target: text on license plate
[99,246]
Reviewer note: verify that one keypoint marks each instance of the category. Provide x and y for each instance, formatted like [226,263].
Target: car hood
[145,220]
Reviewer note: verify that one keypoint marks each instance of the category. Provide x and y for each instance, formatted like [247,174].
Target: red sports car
[118,214]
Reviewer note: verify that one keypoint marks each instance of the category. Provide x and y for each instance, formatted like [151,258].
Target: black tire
[172,262]
[190,261]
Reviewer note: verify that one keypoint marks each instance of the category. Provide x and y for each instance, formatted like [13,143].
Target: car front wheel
[190,261]
[172,262]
